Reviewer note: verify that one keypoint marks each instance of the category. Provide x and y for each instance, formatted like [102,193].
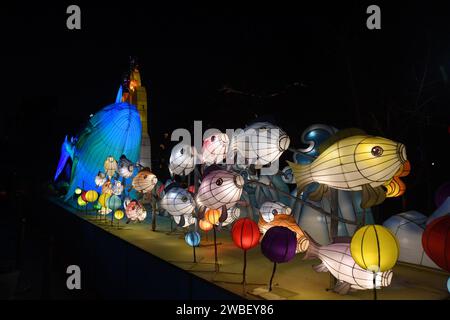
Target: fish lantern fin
[342,287]
[317,194]
[201,213]
[320,268]
[372,196]
[341,134]
[182,221]
[224,214]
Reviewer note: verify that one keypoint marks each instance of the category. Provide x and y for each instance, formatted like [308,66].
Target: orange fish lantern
[144,181]
[274,214]
[110,166]
[107,188]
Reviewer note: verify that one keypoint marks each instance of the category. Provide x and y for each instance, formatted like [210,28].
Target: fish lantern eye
[145,176]
[184,198]
[274,211]
[181,151]
[219,181]
[377,151]
[213,138]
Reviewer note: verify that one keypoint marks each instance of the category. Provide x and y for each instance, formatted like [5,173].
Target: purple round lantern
[279,244]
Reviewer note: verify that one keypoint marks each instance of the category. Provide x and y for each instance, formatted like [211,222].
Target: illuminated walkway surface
[293,280]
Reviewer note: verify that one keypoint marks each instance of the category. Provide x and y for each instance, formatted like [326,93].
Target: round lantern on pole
[375,248]
[436,241]
[91,196]
[192,239]
[245,235]
[278,245]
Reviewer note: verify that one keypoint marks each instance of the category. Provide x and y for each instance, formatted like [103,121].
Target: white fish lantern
[104,211]
[354,163]
[110,166]
[144,181]
[215,148]
[177,201]
[181,160]
[126,167]
[261,143]
[100,179]
[220,188]
[270,209]
[117,188]
[184,220]
[126,202]
[233,214]
[337,259]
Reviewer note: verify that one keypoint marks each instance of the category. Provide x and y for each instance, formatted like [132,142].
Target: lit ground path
[293,280]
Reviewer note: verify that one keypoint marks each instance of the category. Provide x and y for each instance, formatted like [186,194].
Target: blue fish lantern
[192,238]
[113,131]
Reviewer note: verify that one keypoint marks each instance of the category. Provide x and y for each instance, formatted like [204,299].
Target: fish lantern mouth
[401,151]
[239,181]
[386,278]
[283,143]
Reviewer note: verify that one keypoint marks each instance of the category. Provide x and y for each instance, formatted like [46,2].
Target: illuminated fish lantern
[181,160]
[135,211]
[274,214]
[337,259]
[219,188]
[233,214]
[100,179]
[126,167]
[215,148]
[353,163]
[117,188]
[114,130]
[177,201]
[144,181]
[110,166]
[104,211]
[260,144]
[107,187]
[184,220]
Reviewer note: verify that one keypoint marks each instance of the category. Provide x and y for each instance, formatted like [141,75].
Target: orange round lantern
[205,225]
[212,216]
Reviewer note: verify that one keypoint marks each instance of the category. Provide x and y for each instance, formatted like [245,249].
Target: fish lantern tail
[301,174]
[313,248]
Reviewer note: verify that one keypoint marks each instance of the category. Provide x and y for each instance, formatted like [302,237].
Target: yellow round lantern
[78,191]
[118,214]
[81,202]
[103,198]
[91,196]
[375,248]
[205,225]
[212,216]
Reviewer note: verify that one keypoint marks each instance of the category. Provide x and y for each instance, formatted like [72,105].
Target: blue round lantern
[448,284]
[192,238]
[114,202]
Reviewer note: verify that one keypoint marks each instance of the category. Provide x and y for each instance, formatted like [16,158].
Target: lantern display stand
[216,261]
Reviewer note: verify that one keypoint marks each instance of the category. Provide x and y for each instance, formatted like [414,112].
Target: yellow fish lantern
[107,188]
[355,163]
[110,166]
[103,199]
[144,181]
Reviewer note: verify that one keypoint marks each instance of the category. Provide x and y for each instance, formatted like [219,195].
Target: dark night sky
[52,78]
